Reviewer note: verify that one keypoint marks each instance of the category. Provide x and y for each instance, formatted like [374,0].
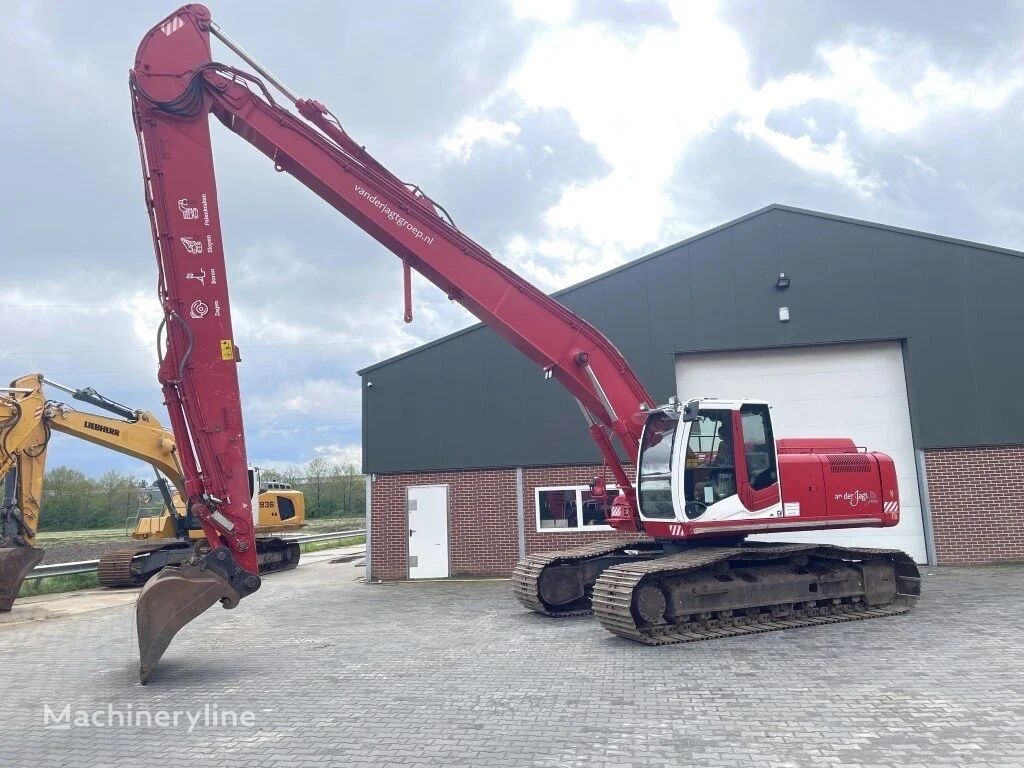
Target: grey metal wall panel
[427,410]
[384,426]
[669,316]
[995,314]
[755,260]
[462,398]
[471,400]
[627,318]
[503,379]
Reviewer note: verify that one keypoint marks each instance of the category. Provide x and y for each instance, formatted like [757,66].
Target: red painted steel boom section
[175,86]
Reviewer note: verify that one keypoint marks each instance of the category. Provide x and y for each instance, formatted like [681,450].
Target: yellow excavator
[27,419]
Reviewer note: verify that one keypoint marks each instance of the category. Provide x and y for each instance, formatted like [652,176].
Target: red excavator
[708,472]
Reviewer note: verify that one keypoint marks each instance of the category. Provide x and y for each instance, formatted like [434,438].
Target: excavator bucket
[170,600]
[15,564]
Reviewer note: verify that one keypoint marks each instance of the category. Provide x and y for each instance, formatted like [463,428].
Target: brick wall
[977,502]
[976,495]
[556,538]
[482,529]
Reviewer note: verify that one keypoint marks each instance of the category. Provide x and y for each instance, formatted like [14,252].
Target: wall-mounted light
[369,385]
[783,314]
[783,282]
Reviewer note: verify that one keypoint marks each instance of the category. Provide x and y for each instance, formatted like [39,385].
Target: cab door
[757,473]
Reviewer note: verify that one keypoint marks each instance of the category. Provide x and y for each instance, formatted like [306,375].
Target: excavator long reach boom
[640,589]
[175,86]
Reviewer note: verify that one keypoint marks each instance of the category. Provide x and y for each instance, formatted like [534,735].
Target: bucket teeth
[169,601]
[15,564]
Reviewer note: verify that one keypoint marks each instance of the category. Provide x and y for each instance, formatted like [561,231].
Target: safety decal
[172,26]
[199,309]
[189,212]
[192,246]
[227,349]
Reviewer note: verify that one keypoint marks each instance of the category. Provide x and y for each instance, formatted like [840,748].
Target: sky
[566,137]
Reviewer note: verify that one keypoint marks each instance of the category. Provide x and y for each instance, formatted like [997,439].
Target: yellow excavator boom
[23,439]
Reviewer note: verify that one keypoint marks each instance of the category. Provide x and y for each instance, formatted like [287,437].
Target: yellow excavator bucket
[176,595]
[15,564]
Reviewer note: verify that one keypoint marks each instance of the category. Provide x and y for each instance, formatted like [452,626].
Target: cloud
[644,97]
[565,137]
[921,165]
[546,11]
[471,131]
[865,82]
[341,454]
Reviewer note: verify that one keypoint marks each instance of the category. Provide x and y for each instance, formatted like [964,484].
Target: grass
[101,535]
[54,584]
[316,546]
[85,535]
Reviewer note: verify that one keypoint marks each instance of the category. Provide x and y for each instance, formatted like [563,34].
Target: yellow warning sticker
[227,350]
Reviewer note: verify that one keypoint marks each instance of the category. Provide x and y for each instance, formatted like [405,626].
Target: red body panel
[820,490]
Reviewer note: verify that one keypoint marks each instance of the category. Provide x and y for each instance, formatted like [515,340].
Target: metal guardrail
[310,538]
[90,566]
[63,569]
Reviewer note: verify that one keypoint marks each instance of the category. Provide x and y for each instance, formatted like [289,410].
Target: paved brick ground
[339,673]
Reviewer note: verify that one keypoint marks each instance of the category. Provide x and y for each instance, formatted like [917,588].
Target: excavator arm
[175,87]
[143,438]
[23,440]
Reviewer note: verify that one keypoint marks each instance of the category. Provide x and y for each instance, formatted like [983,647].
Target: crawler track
[616,590]
[115,568]
[527,574]
[277,555]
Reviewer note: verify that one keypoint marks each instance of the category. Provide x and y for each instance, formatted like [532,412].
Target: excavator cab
[708,461]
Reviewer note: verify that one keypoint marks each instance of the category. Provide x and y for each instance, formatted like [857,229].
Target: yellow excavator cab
[280,509]
[277,508]
[153,523]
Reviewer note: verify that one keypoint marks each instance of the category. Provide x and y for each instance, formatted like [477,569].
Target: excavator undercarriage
[562,583]
[132,567]
[640,592]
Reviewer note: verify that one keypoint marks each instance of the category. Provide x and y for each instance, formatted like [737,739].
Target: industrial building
[907,342]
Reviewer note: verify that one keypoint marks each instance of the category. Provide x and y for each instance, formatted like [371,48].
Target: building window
[573,508]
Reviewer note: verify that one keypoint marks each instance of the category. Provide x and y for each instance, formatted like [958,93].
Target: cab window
[710,461]
[758,446]
[655,486]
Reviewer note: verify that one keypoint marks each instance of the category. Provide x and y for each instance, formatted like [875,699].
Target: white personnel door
[428,531]
[843,390]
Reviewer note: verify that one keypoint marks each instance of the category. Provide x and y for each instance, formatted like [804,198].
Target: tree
[318,472]
[351,490]
[72,501]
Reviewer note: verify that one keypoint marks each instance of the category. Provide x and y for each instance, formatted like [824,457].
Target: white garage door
[842,390]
